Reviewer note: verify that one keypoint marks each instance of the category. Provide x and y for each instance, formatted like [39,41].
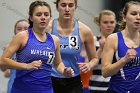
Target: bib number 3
[73,42]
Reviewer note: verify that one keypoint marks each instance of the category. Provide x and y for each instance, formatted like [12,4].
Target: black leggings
[67,85]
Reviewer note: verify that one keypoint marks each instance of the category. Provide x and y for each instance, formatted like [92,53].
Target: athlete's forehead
[67,1]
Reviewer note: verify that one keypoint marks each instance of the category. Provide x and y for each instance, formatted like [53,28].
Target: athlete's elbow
[104,73]
[4,61]
[3,66]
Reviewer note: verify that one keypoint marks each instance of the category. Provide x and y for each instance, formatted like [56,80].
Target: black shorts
[111,91]
[67,85]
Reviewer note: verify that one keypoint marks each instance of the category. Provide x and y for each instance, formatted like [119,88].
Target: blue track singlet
[127,80]
[70,48]
[35,81]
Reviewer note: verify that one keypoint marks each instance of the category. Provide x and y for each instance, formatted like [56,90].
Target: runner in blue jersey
[125,72]
[73,34]
[36,50]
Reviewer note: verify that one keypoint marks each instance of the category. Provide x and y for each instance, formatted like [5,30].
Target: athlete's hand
[84,67]
[68,72]
[102,42]
[130,54]
[34,65]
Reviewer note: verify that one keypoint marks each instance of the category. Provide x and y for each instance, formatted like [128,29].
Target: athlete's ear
[31,18]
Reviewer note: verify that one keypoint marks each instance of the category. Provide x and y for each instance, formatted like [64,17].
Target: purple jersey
[35,80]
[127,80]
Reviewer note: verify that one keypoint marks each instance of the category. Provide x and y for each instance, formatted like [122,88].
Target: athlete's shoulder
[56,41]
[55,38]
[112,36]
[83,26]
[21,35]
[112,40]
[84,29]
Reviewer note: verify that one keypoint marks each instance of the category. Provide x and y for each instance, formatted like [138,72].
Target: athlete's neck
[66,23]
[38,31]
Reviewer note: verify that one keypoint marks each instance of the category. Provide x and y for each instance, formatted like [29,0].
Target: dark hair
[57,1]
[33,5]
[22,20]
[123,13]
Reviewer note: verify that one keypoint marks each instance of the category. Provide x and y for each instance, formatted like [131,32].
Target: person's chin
[42,27]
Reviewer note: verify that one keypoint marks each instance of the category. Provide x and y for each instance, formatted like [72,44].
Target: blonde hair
[103,12]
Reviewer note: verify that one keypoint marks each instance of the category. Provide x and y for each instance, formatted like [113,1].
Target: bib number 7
[51,57]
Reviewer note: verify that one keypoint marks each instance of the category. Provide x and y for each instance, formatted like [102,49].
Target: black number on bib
[51,57]
[73,42]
